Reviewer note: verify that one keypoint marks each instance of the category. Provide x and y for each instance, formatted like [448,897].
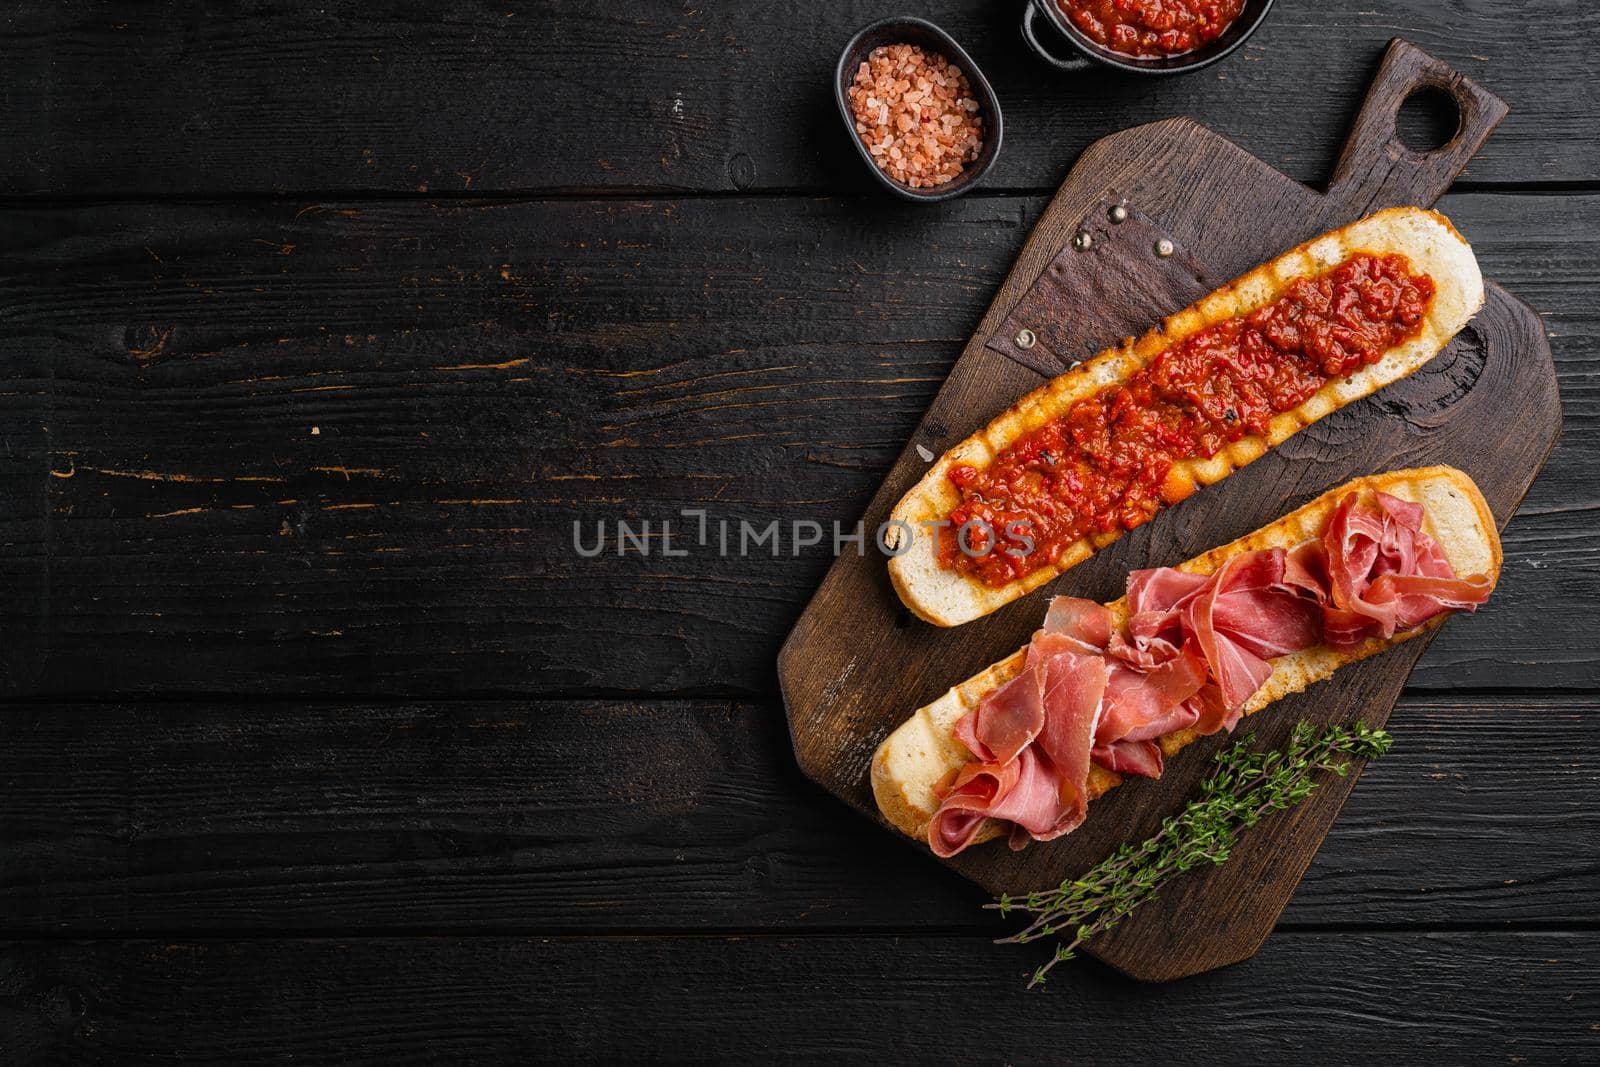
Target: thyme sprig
[1246,787]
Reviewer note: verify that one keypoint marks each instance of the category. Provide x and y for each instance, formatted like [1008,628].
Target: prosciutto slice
[1144,704]
[1154,599]
[1007,718]
[1043,790]
[1074,690]
[1022,792]
[1246,615]
[1142,758]
[1193,651]
[1385,574]
[1089,624]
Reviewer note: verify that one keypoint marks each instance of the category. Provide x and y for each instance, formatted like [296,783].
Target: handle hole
[1428,120]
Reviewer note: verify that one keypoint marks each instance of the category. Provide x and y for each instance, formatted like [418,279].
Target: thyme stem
[1245,788]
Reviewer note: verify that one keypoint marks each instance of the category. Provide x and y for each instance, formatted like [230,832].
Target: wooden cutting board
[858,663]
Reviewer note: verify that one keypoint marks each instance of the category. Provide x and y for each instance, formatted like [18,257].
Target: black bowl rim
[1170,64]
[994,131]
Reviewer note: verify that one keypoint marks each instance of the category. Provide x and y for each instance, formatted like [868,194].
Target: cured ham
[1023,792]
[1245,615]
[1043,790]
[1386,575]
[1075,684]
[1008,719]
[1142,758]
[1191,653]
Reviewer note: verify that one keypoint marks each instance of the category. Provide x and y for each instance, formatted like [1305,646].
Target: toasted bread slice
[911,762]
[947,597]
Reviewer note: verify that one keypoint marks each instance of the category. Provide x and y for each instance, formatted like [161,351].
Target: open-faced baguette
[948,597]
[913,760]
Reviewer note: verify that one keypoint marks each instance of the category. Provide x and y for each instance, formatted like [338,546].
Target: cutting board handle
[1377,169]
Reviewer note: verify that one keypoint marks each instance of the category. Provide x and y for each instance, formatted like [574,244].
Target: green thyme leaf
[1245,787]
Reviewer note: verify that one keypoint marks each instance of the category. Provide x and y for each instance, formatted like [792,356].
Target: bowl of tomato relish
[1140,36]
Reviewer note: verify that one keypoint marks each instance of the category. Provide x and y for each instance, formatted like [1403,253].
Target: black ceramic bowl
[927,36]
[1087,54]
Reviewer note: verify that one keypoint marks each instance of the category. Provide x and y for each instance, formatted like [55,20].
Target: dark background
[321,324]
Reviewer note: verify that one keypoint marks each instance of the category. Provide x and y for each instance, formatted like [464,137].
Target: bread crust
[911,761]
[947,597]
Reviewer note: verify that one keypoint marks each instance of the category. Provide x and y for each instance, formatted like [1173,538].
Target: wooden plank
[613,816]
[1230,211]
[1521,998]
[497,98]
[480,376]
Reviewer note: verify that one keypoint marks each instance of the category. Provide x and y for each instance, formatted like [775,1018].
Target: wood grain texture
[1317,999]
[844,695]
[492,98]
[482,375]
[496,817]
[290,441]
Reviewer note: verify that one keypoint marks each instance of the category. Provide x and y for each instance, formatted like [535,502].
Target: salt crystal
[913,112]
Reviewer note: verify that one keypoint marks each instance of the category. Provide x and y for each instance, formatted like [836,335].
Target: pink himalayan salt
[916,114]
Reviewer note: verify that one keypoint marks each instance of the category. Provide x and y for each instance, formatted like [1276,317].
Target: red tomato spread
[1103,465]
[1150,28]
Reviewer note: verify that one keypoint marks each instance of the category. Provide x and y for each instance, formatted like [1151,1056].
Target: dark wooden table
[320,326]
